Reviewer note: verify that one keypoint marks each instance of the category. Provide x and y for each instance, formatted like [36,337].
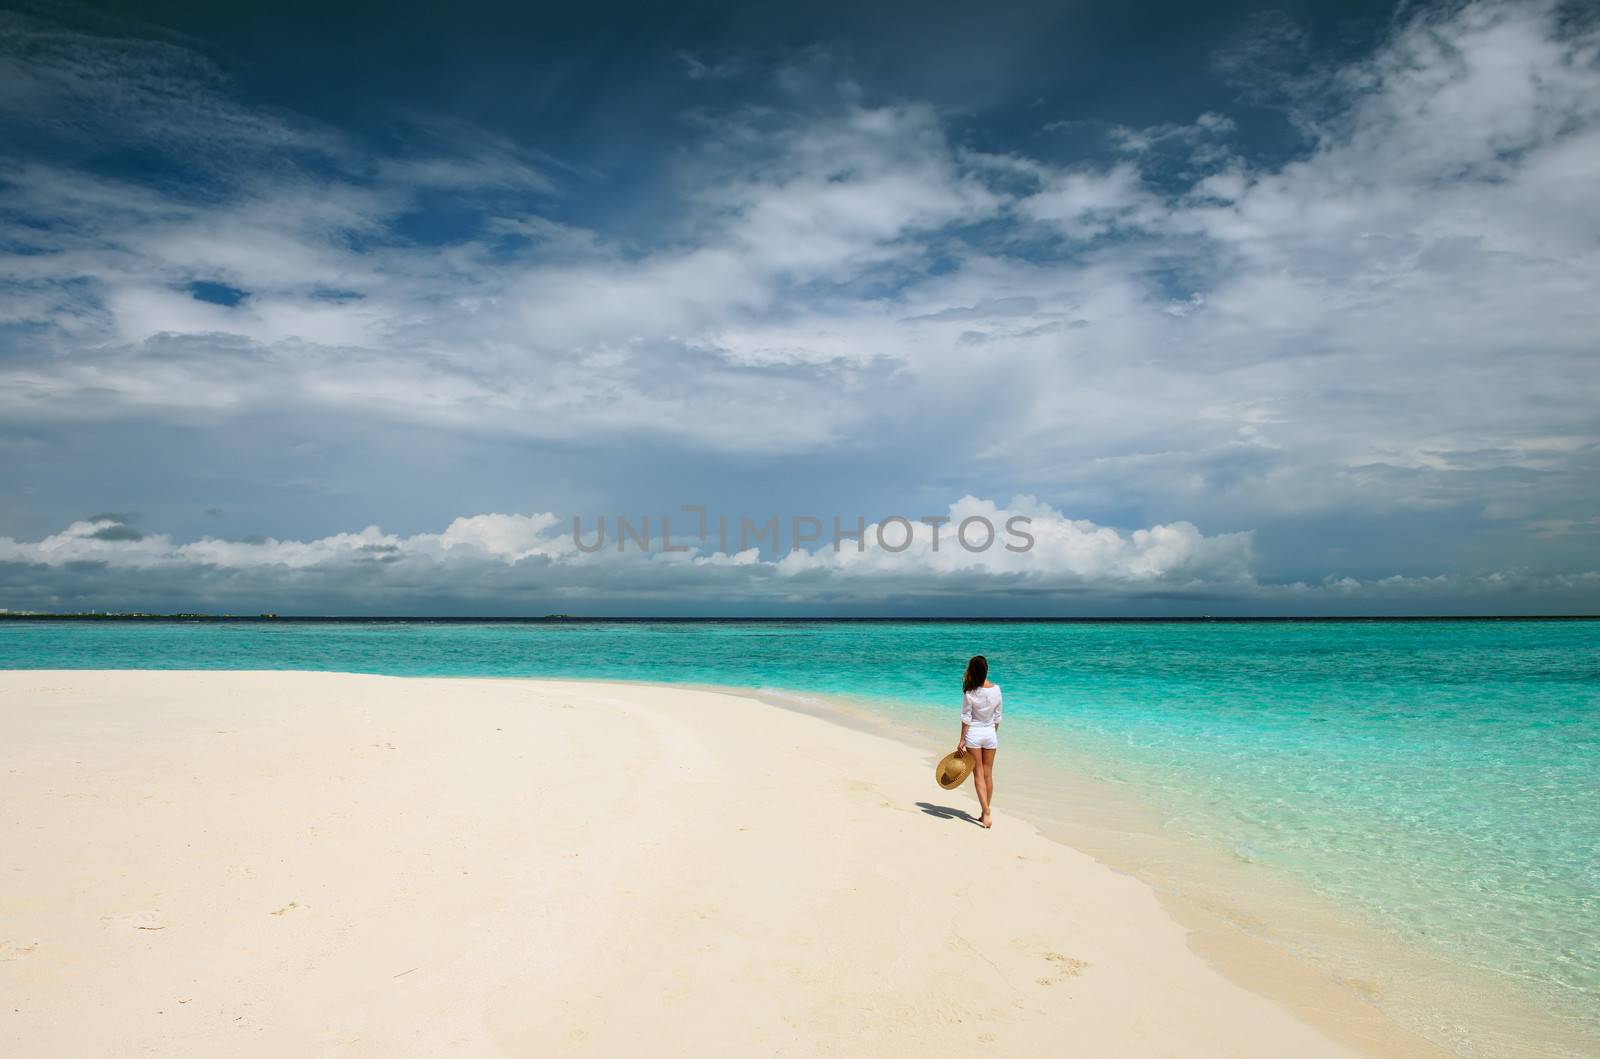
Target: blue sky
[1284,309]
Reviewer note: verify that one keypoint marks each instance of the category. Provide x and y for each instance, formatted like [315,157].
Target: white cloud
[1034,543]
[1026,540]
[1085,203]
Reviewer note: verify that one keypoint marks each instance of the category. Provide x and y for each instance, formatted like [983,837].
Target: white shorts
[981,737]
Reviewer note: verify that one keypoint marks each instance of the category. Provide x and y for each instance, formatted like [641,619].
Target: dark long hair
[977,673]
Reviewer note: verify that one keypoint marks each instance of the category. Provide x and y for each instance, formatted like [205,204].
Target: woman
[980,727]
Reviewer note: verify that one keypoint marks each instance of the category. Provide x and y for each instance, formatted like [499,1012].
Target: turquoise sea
[1442,776]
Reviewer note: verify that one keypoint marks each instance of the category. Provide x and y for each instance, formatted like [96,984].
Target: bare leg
[987,756]
[980,782]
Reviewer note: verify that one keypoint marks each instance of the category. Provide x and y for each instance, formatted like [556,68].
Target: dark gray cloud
[115,532]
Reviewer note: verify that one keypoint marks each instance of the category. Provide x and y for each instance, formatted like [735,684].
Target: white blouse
[981,706]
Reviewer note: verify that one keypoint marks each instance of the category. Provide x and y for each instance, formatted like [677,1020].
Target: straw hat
[953,769]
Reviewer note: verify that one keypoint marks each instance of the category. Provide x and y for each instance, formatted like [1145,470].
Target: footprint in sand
[16,950]
[292,906]
[149,919]
[1065,967]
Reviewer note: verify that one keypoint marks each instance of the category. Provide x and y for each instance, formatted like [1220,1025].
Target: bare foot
[986,821]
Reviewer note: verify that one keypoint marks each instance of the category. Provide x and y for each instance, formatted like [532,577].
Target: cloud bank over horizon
[1328,334]
[1021,556]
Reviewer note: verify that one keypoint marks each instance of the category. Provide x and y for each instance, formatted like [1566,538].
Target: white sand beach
[200,864]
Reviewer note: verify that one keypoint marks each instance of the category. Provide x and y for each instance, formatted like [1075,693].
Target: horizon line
[266,617]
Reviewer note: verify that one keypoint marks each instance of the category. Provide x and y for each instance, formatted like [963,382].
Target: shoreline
[1263,927]
[1214,933]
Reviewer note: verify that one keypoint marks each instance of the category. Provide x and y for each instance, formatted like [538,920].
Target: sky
[1238,308]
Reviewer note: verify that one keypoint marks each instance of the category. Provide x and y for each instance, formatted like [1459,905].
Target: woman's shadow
[945,812]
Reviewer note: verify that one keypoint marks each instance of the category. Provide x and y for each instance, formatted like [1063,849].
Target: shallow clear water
[1443,776]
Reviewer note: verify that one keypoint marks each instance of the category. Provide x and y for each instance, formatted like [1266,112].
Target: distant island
[139,615]
[119,615]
